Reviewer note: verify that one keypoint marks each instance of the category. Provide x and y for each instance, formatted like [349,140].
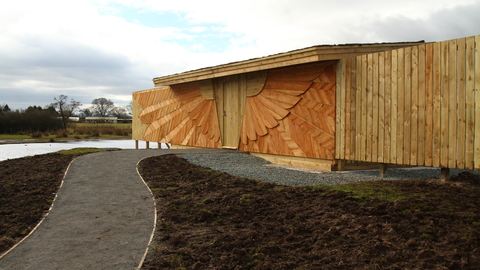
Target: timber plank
[387,158]
[407,112]
[437,117]
[470,103]
[268,119]
[477,103]
[461,102]
[296,86]
[279,111]
[429,77]
[394,113]
[375,107]
[369,107]
[358,105]
[303,73]
[401,105]
[347,109]
[285,100]
[421,106]
[381,106]
[414,107]
[255,82]
[444,104]
[257,120]
[363,133]
[249,119]
[452,104]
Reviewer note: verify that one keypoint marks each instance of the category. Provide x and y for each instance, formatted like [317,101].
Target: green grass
[14,137]
[80,151]
[376,189]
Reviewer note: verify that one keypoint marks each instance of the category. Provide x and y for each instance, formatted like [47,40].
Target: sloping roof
[295,57]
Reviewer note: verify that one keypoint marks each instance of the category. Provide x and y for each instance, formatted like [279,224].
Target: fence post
[444,174]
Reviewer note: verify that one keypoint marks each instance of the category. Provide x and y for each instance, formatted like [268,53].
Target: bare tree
[102,107]
[119,112]
[65,108]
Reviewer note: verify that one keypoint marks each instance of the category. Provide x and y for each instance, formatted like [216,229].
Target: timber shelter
[329,107]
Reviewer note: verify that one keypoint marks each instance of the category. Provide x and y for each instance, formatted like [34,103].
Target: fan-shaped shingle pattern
[294,114]
[179,114]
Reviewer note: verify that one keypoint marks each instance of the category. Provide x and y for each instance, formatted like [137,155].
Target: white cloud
[86,49]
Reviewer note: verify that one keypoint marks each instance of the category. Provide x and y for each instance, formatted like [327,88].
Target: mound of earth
[27,189]
[212,220]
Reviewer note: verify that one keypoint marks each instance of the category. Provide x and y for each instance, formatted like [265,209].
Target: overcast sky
[92,49]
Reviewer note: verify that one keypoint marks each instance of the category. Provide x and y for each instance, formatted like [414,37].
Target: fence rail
[417,105]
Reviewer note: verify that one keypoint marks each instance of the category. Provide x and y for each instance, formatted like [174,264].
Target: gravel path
[244,165]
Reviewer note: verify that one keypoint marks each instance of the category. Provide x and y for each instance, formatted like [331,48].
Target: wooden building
[327,107]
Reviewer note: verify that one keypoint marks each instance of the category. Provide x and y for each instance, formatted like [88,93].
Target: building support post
[383,170]
[340,165]
[444,174]
[136,144]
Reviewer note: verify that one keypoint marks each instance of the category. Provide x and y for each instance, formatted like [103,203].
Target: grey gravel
[245,165]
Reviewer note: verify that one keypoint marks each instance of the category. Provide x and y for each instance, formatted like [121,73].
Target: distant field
[117,125]
[77,131]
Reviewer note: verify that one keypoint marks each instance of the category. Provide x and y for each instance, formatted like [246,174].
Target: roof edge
[295,57]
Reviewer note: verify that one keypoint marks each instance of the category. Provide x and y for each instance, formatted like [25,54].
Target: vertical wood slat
[452,103]
[353,108]
[436,105]
[375,108]
[363,94]
[416,106]
[407,111]
[340,119]
[369,108]
[444,139]
[429,104]
[470,102]
[358,116]
[477,104]
[380,140]
[388,104]
[401,105]
[394,86]
[421,124]
[461,108]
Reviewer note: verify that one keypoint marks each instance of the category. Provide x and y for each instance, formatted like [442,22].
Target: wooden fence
[417,105]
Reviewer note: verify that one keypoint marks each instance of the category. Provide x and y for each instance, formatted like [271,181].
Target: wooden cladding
[294,114]
[286,111]
[418,105]
[178,114]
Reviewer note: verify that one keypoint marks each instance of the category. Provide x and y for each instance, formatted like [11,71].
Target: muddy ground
[211,220]
[27,189]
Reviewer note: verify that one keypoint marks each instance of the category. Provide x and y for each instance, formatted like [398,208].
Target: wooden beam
[444,174]
[383,170]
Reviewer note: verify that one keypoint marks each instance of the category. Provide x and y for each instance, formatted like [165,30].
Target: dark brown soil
[27,189]
[211,220]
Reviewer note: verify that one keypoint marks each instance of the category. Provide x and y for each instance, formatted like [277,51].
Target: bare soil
[27,189]
[212,220]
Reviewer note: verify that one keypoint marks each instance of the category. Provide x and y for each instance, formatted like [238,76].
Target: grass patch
[80,151]
[379,190]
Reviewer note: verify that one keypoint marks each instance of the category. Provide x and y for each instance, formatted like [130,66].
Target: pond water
[18,150]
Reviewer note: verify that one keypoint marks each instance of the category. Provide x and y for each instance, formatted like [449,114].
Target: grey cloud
[445,24]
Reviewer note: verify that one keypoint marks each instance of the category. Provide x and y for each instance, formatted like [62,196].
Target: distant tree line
[102,107]
[34,118]
[56,115]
